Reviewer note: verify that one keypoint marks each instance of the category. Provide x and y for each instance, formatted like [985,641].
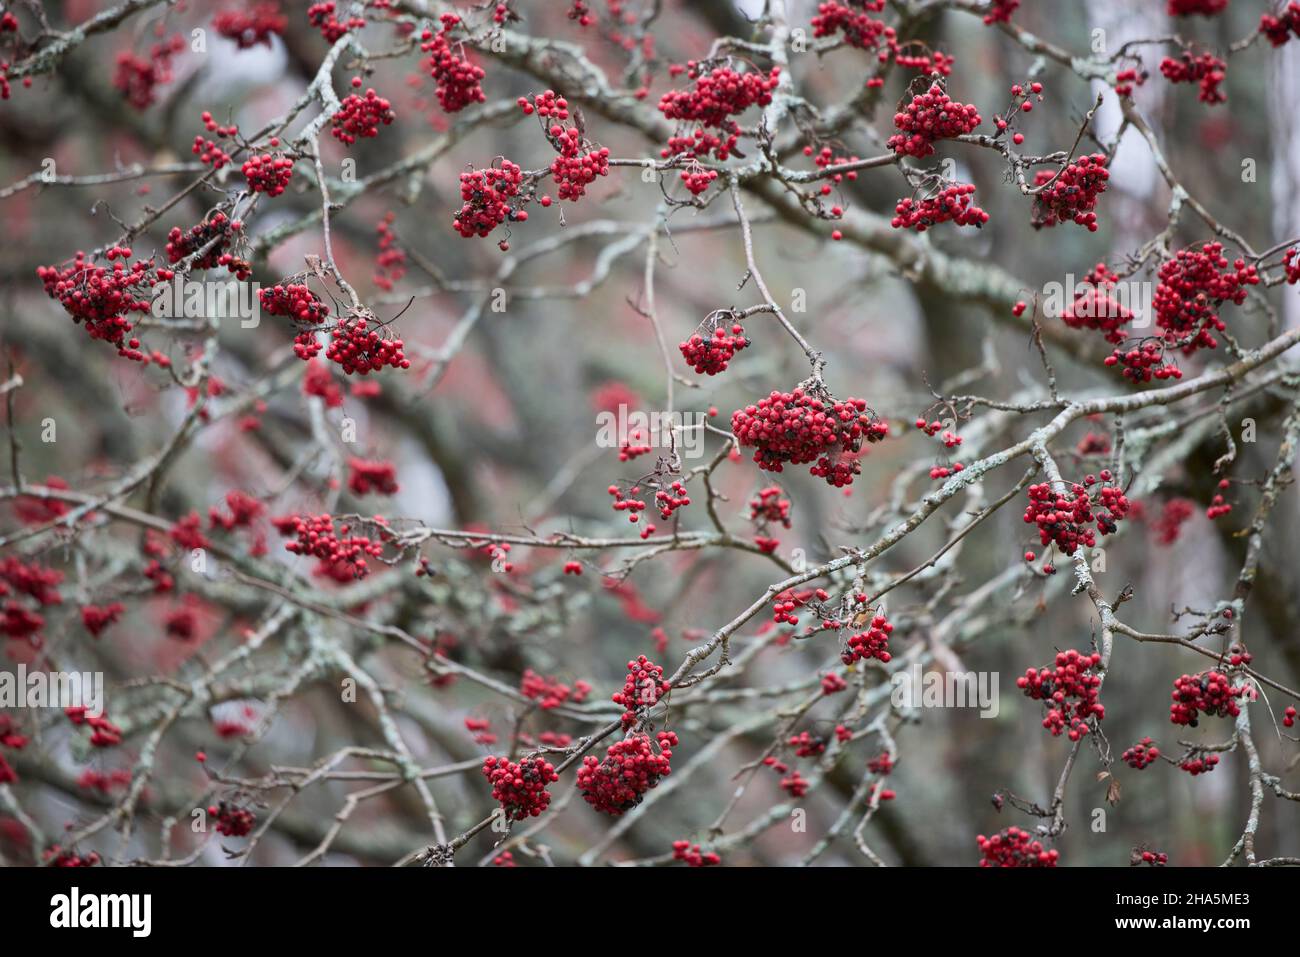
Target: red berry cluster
[1094,308]
[209,243]
[232,820]
[1128,80]
[1142,855]
[97,618]
[1066,521]
[578,164]
[1206,69]
[696,179]
[486,194]
[1291,265]
[1191,287]
[1169,523]
[136,77]
[360,116]
[316,536]
[860,29]
[459,80]
[367,477]
[1218,506]
[358,348]
[521,787]
[251,26]
[1289,717]
[872,643]
[693,856]
[1013,847]
[580,12]
[1070,689]
[1000,11]
[642,688]
[1280,28]
[795,784]
[550,692]
[1185,8]
[929,117]
[104,297]
[628,502]
[1209,692]
[807,745]
[209,152]
[951,204]
[57,856]
[103,733]
[670,499]
[1144,361]
[390,264]
[1141,754]
[268,173]
[924,61]
[1199,763]
[547,104]
[768,506]
[324,19]
[297,302]
[798,427]
[630,768]
[716,96]
[1072,194]
[709,354]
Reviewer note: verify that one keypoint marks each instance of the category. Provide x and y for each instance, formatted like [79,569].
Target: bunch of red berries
[1167,526]
[860,29]
[1094,308]
[696,179]
[709,354]
[1206,69]
[103,733]
[795,784]
[367,477]
[487,194]
[1066,521]
[770,506]
[1210,692]
[251,26]
[798,427]
[1071,194]
[57,856]
[358,348]
[268,173]
[104,297]
[1191,287]
[670,499]
[1142,855]
[952,204]
[693,856]
[1144,361]
[316,536]
[98,618]
[716,96]
[1289,717]
[630,768]
[459,81]
[1185,8]
[136,77]
[547,104]
[324,19]
[209,243]
[578,164]
[521,787]
[295,301]
[872,643]
[1280,28]
[1218,505]
[1141,754]
[1199,763]
[232,820]
[642,688]
[924,61]
[1000,11]
[929,117]
[1070,690]
[1128,80]
[1013,847]
[807,745]
[550,692]
[359,117]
